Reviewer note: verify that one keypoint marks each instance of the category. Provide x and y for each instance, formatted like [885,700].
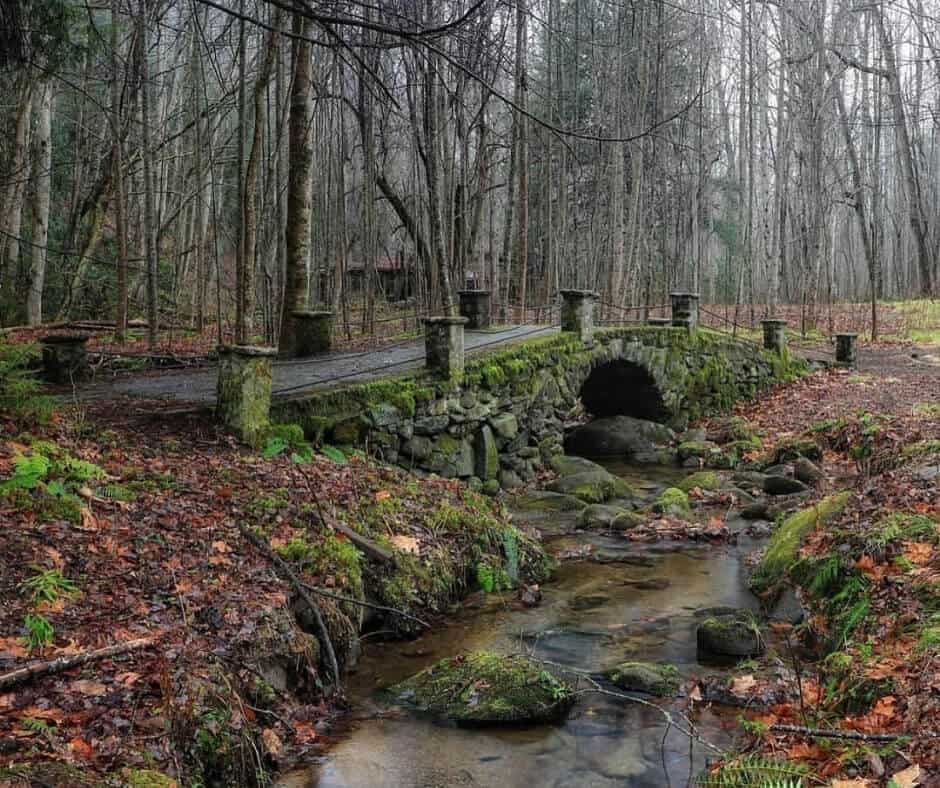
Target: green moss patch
[648,677]
[703,480]
[488,689]
[673,501]
[783,550]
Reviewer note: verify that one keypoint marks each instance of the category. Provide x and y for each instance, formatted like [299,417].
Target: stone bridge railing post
[313,333]
[775,335]
[847,349]
[684,309]
[444,346]
[65,358]
[577,313]
[475,306]
[243,391]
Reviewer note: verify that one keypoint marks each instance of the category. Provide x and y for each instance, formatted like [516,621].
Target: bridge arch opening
[623,388]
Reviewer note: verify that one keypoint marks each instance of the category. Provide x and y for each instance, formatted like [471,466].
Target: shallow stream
[622,601]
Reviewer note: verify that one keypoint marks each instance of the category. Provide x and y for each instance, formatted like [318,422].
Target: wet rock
[807,471]
[779,470]
[567,465]
[487,689]
[619,436]
[715,610]
[627,521]
[749,479]
[674,502]
[730,635]
[545,500]
[649,584]
[703,480]
[651,678]
[509,480]
[788,608]
[781,485]
[759,510]
[600,515]
[592,486]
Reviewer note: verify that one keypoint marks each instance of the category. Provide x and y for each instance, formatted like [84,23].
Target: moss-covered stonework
[783,550]
[243,395]
[539,384]
[488,689]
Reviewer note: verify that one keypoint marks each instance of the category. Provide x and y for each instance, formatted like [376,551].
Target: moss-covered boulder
[783,550]
[673,501]
[703,480]
[731,635]
[792,448]
[592,486]
[648,677]
[627,521]
[487,689]
[547,501]
[599,515]
[568,465]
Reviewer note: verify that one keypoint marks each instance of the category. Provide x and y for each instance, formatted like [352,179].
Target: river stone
[749,479]
[807,471]
[545,500]
[592,486]
[758,510]
[703,480]
[648,677]
[509,479]
[779,470]
[627,521]
[600,515]
[619,436]
[567,465]
[782,485]
[674,502]
[483,689]
[730,635]
[788,608]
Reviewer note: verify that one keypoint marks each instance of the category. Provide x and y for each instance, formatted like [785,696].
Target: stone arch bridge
[505,416]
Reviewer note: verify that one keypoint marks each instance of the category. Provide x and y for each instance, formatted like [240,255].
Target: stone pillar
[65,358]
[577,313]
[313,333]
[659,321]
[847,349]
[684,309]
[775,335]
[443,346]
[475,306]
[243,392]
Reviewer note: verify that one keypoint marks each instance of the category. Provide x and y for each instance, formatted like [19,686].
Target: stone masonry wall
[506,418]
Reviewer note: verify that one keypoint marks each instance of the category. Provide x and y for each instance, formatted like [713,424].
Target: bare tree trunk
[43,169]
[150,222]
[117,162]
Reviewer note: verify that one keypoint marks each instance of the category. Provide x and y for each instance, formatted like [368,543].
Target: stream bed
[621,601]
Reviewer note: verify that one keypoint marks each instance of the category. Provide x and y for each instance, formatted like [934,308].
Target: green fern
[752,771]
[20,391]
[78,470]
[117,492]
[29,470]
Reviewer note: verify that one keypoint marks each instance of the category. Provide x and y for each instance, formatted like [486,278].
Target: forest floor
[873,630]
[130,529]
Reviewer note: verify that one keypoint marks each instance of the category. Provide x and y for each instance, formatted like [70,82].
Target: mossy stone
[790,449]
[783,550]
[599,515]
[649,677]
[593,486]
[483,688]
[732,635]
[703,480]
[673,501]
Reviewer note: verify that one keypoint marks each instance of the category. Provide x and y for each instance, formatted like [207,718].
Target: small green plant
[754,771]
[29,470]
[47,585]
[334,454]
[20,391]
[39,632]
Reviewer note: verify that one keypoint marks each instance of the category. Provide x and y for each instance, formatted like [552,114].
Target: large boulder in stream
[620,436]
[483,689]
[730,635]
[593,486]
[651,678]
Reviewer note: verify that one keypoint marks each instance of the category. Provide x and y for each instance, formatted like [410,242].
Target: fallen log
[59,664]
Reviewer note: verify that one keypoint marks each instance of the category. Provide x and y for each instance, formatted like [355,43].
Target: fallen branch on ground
[832,734]
[71,661]
[370,605]
[301,589]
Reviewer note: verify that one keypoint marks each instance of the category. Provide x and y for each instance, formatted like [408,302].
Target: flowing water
[623,602]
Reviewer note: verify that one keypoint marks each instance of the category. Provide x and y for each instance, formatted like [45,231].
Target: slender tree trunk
[43,169]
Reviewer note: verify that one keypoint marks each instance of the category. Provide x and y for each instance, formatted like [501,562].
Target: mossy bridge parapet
[505,417]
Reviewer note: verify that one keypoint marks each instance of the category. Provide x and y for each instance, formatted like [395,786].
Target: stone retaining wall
[506,418]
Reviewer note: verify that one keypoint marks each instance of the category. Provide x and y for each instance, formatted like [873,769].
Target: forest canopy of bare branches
[200,162]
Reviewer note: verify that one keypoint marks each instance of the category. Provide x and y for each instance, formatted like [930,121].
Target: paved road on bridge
[293,378]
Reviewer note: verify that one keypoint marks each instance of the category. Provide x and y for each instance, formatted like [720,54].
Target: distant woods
[203,163]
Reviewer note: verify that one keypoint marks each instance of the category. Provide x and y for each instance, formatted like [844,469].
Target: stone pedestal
[659,321]
[684,309]
[443,346]
[847,349]
[243,392]
[775,335]
[577,313]
[475,306]
[313,333]
[65,358]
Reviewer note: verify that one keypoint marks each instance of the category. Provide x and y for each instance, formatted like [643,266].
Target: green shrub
[20,391]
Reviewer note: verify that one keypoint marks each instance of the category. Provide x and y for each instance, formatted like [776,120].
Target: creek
[615,600]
